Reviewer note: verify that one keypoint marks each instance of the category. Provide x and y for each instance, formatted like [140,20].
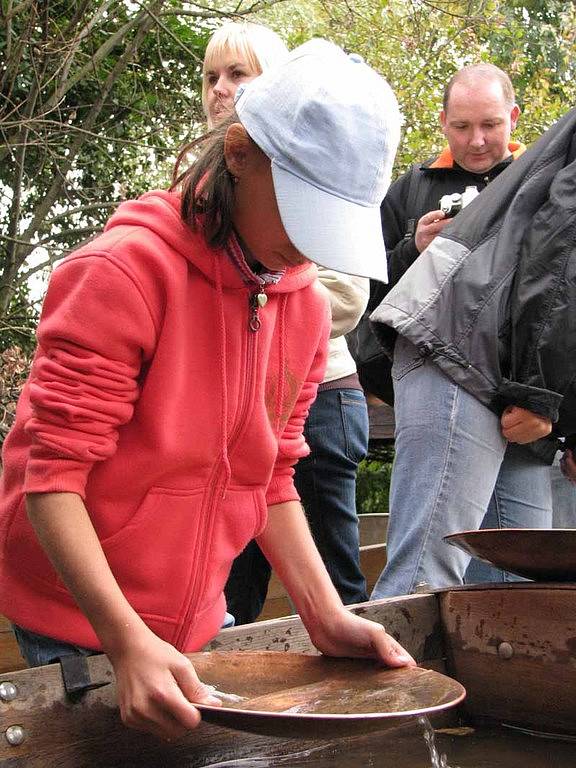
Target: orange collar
[445,159]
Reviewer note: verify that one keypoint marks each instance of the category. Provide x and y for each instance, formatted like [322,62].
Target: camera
[450,205]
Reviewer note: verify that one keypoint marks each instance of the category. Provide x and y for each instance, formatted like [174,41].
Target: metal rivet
[8,691]
[505,651]
[423,587]
[15,735]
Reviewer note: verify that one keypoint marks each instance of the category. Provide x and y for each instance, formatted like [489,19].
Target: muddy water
[407,748]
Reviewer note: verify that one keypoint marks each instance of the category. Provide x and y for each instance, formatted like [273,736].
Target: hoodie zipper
[256,300]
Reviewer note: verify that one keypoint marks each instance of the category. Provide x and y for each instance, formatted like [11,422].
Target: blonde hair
[256,44]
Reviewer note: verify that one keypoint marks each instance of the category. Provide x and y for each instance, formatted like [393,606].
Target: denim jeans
[521,499]
[247,585]
[563,498]
[450,458]
[337,432]
[40,649]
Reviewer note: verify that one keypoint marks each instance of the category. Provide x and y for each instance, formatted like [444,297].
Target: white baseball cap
[330,125]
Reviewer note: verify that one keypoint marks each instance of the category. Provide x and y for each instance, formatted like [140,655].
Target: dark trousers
[337,432]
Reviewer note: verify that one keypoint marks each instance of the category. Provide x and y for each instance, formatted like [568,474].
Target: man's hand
[522,426]
[430,225]
[568,465]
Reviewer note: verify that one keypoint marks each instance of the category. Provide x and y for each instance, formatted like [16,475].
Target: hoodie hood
[159,212]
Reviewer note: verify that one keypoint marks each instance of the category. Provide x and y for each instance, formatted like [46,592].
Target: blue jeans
[563,498]
[521,499]
[450,458]
[337,432]
[40,649]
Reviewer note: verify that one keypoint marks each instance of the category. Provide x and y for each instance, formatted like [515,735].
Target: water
[405,747]
[437,759]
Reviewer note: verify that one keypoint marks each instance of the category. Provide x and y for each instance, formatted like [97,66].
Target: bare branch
[212,13]
[173,37]
[12,12]
[80,209]
[42,210]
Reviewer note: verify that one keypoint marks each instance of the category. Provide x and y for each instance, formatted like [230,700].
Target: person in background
[485,318]
[337,426]
[178,354]
[236,53]
[441,429]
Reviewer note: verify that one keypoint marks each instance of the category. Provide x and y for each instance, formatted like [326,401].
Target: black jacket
[493,298]
[415,193]
[411,196]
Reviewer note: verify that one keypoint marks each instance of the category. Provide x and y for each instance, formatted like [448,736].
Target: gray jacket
[493,298]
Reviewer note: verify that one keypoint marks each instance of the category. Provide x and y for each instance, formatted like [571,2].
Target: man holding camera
[443,433]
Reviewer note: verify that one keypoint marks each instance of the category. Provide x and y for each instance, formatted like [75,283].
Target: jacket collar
[445,159]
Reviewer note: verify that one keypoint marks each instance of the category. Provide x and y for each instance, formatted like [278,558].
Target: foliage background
[97,96]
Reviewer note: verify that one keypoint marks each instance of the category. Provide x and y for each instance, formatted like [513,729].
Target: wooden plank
[381,420]
[514,650]
[372,528]
[10,656]
[87,733]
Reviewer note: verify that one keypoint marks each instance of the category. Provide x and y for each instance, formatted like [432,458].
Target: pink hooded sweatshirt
[152,398]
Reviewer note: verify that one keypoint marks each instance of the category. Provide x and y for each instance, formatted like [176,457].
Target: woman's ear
[237,147]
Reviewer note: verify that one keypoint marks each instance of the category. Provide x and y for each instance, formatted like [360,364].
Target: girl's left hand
[345,634]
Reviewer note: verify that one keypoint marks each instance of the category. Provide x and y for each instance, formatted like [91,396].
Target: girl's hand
[345,634]
[157,687]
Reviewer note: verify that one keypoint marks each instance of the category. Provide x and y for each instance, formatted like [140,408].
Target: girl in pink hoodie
[178,354]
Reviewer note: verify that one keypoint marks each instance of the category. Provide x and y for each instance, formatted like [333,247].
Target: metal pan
[541,554]
[292,694]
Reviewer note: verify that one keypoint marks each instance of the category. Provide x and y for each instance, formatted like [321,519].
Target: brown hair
[485,71]
[207,186]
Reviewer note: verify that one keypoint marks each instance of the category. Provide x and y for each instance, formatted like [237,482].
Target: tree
[418,44]
[95,97]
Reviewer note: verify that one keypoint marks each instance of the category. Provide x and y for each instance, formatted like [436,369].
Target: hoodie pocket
[155,555]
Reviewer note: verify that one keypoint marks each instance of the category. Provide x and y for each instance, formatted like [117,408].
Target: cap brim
[332,232]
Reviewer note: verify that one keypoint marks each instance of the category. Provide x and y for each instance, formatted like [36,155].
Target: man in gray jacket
[452,460]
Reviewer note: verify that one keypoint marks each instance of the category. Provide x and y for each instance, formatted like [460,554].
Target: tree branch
[211,13]
[48,201]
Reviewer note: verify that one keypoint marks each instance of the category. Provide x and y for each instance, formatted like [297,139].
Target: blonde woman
[337,427]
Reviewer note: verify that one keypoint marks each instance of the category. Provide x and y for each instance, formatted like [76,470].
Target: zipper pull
[256,301]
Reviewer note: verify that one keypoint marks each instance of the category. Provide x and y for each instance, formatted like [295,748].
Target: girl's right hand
[156,686]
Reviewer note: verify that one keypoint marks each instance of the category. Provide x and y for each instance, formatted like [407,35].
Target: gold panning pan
[542,554]
[291,694]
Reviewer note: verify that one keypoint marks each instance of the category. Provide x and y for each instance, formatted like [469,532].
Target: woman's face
[222,80]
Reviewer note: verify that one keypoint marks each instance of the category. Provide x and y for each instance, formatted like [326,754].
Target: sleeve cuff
[544,402]
[281,489]
[56,476]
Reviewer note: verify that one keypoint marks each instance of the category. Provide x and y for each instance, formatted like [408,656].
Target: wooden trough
[513,647]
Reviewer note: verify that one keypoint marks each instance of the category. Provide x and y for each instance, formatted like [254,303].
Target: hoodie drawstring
[223,374]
